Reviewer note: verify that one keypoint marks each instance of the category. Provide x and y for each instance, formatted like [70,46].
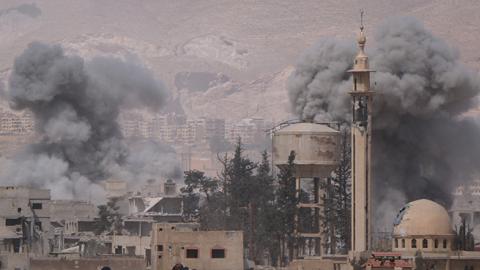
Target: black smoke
[75,105]
[423,144]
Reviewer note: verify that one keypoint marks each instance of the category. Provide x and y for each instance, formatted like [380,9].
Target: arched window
[436,243]
[444,243]
[414,243]
[396,243]
[425,243]
[403,243]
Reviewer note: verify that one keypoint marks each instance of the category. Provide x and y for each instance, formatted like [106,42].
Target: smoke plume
[76,105]
[423,146]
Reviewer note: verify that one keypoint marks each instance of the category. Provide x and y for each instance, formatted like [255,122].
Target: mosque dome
[422,218]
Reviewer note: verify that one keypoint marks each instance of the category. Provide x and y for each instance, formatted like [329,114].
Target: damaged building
[25,218]
[145,208]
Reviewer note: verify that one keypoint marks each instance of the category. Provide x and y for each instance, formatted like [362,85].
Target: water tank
[316,148]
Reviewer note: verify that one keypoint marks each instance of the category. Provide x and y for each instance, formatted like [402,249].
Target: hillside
[228,58]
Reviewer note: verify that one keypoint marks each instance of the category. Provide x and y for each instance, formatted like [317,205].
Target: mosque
[422,236]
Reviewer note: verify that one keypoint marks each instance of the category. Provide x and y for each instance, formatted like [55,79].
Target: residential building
[184,243]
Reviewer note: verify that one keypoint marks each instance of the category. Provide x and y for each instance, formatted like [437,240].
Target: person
[179,266]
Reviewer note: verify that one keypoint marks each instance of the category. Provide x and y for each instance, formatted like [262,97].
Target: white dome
[422,218]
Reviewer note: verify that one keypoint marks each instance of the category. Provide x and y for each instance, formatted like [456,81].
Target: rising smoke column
[76,105]
[422,144]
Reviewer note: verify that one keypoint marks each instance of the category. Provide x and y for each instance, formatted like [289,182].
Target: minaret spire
[361,37]
[361,148]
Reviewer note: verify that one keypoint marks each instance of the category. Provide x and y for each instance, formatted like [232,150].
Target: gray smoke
[423,146]
[76,105]
[149,160]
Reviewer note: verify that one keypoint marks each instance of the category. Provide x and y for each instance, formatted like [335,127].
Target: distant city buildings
[197,141]
[168,128]
[178,130]
[16,131]
[16,124]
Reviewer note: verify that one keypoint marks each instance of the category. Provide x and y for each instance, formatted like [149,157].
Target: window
[355,84]
[131,250]
[218,253]
[36,206]
[396,243]
[444,243]
[436,243]
[12,221]
[403,243]
[191,253]
[425,243]
[414,243]
[159,248]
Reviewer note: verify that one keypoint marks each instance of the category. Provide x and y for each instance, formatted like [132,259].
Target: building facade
[183,243]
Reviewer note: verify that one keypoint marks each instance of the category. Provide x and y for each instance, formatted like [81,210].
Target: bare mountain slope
[251,43]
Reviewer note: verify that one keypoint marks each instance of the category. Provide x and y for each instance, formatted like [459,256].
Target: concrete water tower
[317,154]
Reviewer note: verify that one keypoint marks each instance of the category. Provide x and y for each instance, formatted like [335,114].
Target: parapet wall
[117,263]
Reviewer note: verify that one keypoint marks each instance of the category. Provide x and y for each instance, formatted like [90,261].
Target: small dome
[422,218]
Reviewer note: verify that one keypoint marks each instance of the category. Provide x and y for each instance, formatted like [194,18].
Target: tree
[191,206]
[464,239]
[262,206]
[336,202]
[241,177]
[240,187]
[342,188]
[109,217]
[203,200]
[197,180]
[286,205]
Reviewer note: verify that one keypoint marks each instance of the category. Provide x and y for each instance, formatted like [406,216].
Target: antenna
[361,19]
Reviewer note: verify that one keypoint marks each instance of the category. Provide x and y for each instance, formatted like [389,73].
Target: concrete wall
[24,192]
[170,243]
[66,209]
[14,261]
[115,263]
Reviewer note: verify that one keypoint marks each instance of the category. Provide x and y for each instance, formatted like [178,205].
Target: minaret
[361,150]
